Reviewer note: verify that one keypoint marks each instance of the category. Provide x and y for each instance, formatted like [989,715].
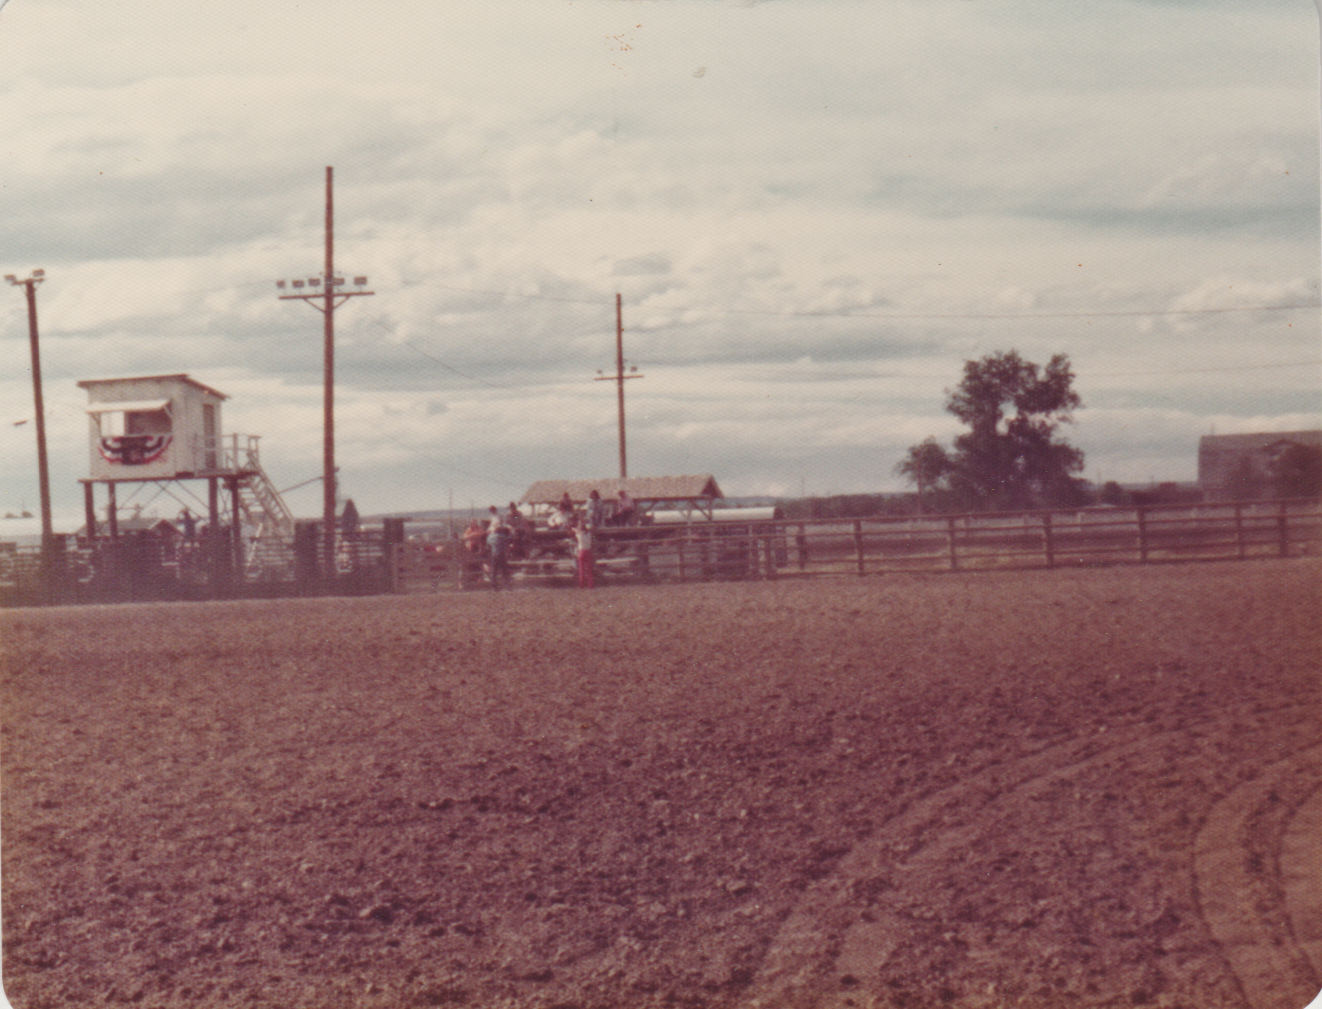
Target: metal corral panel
[764,514]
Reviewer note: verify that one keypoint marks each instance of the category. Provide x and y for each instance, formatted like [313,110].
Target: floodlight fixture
[338,281]
[11,278]
[280,284]
[314,281]
[360,281]
[39,274]
[298,283]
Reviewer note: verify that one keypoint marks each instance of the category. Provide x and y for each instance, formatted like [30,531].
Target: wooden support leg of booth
[215,541]
[112,514]
[236,528]
[89,510]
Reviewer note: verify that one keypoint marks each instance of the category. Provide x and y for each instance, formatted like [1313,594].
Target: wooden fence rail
[730,549]
[970,542]
[734,550]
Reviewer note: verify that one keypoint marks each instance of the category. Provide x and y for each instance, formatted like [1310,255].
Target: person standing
[498,544]
[474,537]
[583,541]
[596,509]
[624,509]
[518,527]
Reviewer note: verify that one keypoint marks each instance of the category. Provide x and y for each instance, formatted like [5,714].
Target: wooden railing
[974,541]
[735,550]
[729,549]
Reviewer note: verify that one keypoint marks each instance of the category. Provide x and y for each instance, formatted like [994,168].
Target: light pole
[329,295]
[43,470]
[619,379]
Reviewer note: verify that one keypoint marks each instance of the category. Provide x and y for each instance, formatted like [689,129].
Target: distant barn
[1238,467]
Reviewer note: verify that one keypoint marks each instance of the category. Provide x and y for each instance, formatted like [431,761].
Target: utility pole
[43,470]
[619,377]
[328,295]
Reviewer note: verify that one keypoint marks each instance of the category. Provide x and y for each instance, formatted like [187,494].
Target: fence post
[801,541]
[858,542]
[392,550]
[1283,529]
[305,556]
[1142,535]
[950,543]
[1049,540]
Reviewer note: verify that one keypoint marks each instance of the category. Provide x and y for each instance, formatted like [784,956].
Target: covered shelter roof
[696,491]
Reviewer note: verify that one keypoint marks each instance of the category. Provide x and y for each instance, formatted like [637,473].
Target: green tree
[1011,457]
[1113,494]
[926,465]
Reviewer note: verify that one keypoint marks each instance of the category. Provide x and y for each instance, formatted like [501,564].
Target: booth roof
[87,383]
[698,487]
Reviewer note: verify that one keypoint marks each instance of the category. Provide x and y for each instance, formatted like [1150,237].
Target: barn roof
[1260,440]
[645,490]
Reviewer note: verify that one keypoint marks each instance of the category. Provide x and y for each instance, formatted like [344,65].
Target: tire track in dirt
[1301,876]
[1258,871]
[829,936]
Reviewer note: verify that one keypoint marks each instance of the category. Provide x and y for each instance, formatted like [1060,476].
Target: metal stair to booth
[271,522]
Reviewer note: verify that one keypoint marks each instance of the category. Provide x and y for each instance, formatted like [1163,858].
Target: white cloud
[940,179]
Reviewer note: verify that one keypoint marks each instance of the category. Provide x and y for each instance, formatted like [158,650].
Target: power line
[786,313]
[1193,371]
[486,477]
[1118,313]
[500,294]
[909,376]
[975,316]
[462,374]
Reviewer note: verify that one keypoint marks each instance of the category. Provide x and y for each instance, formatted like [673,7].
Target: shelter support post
[215,537]
[236,529]
[89,510]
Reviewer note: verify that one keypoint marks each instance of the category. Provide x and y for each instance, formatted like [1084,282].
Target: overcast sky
[815,210]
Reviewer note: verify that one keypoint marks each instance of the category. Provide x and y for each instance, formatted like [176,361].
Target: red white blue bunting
[134,449]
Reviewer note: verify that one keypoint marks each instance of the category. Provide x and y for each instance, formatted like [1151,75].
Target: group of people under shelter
[508,535]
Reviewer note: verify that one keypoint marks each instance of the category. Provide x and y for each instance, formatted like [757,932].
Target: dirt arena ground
[1050,789]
